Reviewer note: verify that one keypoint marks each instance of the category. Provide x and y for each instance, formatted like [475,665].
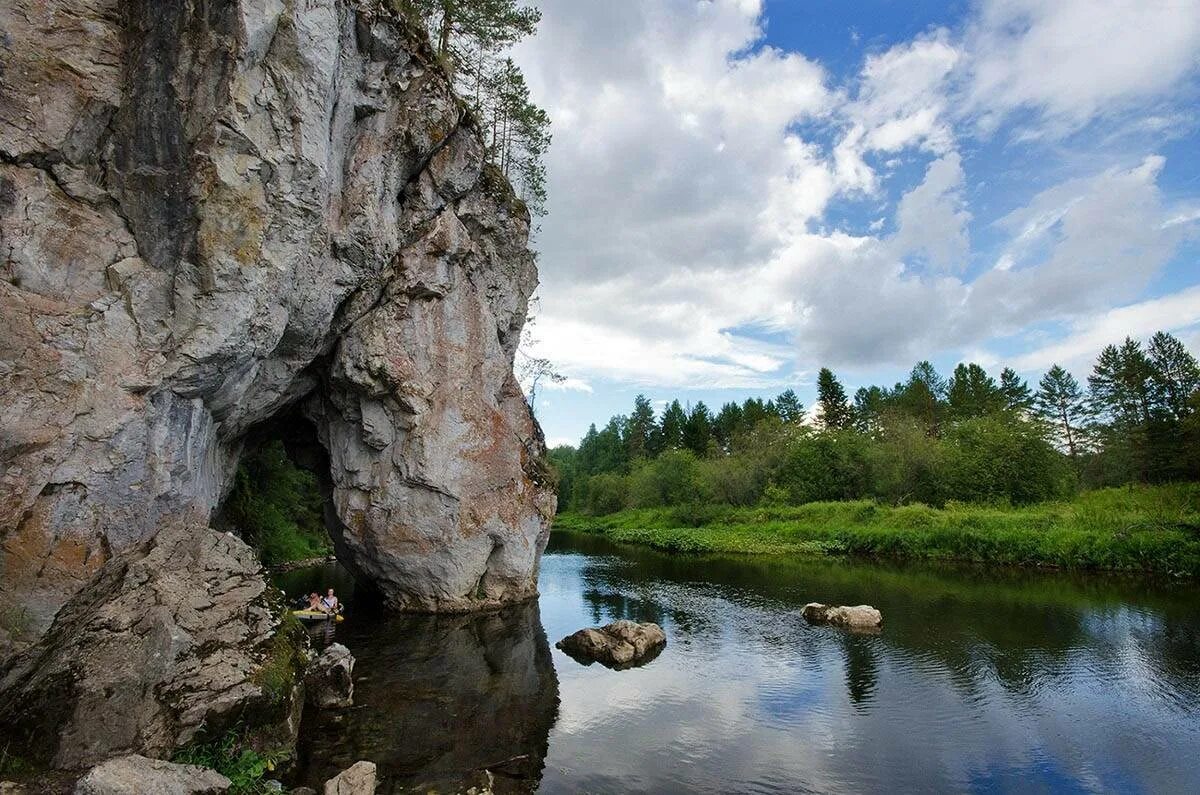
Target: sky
[744,191]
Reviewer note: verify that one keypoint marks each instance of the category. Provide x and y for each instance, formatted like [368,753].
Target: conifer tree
[1060,400]
[789,407]
[1017,394]
[835,409]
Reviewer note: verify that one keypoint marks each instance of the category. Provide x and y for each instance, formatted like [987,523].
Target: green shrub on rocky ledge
[286,657]
[231,756]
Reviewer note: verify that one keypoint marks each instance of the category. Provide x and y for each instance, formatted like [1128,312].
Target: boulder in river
[858,617]
[136,775]
[621,644]
[358,779]
[329,680]
[175,635]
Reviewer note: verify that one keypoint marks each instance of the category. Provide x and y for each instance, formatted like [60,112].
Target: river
[981,680]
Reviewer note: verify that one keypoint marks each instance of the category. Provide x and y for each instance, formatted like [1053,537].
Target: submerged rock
[168,638]
[216,215]
[620,644]
[860,617]
[138,775]
[329,680]
[358,779]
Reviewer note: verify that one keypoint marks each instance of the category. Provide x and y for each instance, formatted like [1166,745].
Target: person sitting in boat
[329,603]
[314,601]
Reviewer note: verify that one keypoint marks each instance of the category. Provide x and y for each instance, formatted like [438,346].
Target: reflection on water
[980,681]
[439,700]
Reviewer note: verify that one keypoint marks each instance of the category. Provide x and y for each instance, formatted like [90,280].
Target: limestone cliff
[216,213]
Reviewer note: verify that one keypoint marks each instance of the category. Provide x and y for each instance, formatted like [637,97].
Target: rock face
[212,215]
[329,680]
[358,779]
[861,617]
[169,637]
[137,775]
[621,644]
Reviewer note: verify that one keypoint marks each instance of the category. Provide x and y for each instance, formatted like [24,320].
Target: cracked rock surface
[215,213]
[167,638]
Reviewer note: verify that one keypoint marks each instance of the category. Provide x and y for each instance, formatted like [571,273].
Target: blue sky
[742,192]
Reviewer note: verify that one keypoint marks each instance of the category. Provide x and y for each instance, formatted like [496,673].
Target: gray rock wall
[211,213]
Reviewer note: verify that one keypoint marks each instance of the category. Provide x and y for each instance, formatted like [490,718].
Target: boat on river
[317,615]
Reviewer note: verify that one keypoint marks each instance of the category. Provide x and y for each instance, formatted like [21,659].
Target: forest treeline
[931,439]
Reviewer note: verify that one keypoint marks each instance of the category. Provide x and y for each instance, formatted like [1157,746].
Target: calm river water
[980,682]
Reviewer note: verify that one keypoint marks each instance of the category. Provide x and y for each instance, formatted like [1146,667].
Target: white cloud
[932,218]
[689,244]
[1079,347]
[1071,61]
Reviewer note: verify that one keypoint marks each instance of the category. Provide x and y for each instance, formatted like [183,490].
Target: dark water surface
[981,681]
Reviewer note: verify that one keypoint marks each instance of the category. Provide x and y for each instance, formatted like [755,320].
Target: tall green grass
[1144,529]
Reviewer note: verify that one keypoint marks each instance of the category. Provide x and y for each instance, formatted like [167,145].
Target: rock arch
[212,214]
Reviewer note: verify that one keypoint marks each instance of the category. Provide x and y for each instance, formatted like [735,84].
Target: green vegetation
[969,467]
[286,657]
[1139,528]
[472,38]
[231,756]
[928,440]
[277,507]
[13,764]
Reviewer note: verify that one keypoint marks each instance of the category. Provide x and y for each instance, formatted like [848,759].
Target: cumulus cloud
[690,241]
[932,218]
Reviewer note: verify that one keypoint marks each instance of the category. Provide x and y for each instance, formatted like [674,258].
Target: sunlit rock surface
[858,617]
[215,212]
[621,644]
[137,775]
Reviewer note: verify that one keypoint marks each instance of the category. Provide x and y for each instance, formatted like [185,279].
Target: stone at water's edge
[137,775]
[167,639]
[329,680]
[619,644]
[861,617]
[358,779]
[216,213]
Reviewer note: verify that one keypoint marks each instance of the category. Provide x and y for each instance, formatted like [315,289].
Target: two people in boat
[326,604]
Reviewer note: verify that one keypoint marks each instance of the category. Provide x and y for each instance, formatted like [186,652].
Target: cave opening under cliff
[280,501]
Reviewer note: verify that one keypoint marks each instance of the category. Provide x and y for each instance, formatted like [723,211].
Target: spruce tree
[835,409]
[789,407]
[671,426]
[697,431]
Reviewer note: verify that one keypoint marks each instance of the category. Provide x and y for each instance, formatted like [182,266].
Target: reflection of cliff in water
[439,700]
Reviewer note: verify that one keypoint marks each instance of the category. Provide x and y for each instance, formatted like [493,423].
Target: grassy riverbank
[1148,529]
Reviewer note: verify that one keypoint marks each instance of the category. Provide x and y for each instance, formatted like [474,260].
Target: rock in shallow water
[621,644]
[168,638]
[329,680]
[858,617]
[138,775]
